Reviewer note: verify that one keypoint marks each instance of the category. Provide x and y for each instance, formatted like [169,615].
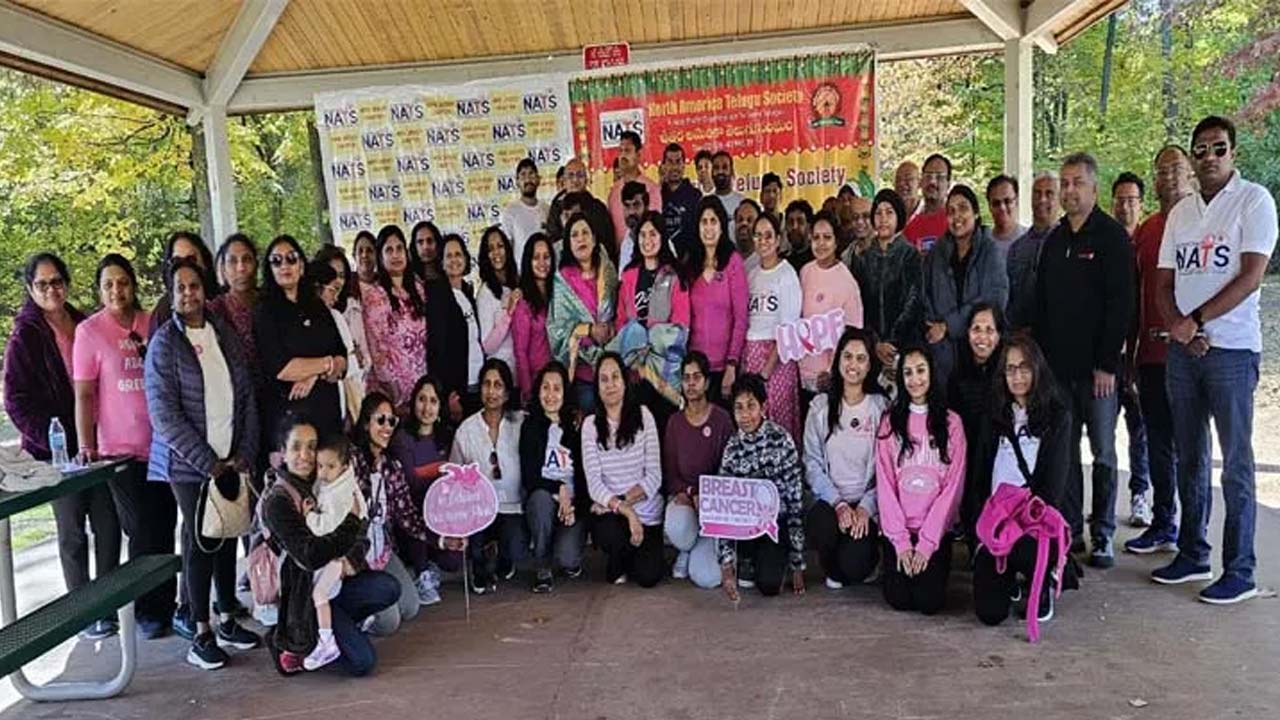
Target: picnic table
[27,638]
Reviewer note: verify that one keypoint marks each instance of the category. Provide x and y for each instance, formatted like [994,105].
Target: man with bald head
[1024,255]
[575,181]
[906,182]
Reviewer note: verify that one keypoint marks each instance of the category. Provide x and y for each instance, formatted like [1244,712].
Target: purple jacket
[36,385]
[180,451]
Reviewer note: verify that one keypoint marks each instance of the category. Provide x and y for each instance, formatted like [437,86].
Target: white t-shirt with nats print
[1203,243]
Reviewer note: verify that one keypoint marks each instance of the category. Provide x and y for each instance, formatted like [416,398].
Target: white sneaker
[833,584]
[325,652]
[745,583]
[1139,511]
[680,570]
[621,580]
[428,590]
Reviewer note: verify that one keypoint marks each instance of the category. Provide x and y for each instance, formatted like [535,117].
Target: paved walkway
[1119,648]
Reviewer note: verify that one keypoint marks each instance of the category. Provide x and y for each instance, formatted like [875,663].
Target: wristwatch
[1195,315]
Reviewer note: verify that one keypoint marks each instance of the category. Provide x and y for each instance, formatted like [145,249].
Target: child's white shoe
[325,652]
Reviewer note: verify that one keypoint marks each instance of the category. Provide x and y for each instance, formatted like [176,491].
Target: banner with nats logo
[447,154]
[809,117]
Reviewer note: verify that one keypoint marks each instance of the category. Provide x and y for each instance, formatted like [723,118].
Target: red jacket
[1146,251]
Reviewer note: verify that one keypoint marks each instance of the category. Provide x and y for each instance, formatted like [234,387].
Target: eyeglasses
[496,470]
[580,175]
[139,344]
[289,258]
[386,420]
[44,286]
[1219,149]
[1015,370]
[939,176]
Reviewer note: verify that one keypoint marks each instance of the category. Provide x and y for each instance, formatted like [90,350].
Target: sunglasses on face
[289,258]
[386,420]
[139,344]
[1219,149]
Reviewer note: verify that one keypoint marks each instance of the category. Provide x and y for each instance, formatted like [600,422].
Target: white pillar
[1018,120]
[222,183]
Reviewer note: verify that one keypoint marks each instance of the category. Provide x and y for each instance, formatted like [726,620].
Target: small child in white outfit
[335,491]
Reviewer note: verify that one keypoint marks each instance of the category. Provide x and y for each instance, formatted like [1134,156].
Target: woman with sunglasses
[300,349]
[38,366]
[397,539]
[395,318]
[112,420]
[491,440]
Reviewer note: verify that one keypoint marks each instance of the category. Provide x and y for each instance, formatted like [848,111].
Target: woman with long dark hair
[840,462]
[623,467]
[499,292]
[920,461]
[556,497]
[583,306]
[395,320]
[38,367]
[718,293]
[963,268]
[970,384]
[454,351]
[237,263]
[1028,439]
[348,304]
[424,251]
[300,349]
[529,321]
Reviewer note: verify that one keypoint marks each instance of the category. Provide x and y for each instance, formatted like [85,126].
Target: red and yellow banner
[808,118]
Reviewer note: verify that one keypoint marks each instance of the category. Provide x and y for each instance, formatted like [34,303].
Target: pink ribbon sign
[813,335]
[737,508]
[461,503]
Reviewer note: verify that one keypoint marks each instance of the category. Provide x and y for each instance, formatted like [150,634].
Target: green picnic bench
[25,639]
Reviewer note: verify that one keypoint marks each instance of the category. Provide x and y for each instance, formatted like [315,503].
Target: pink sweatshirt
[719,325]
[532,348]
[824,290]
[627,299]
[922,496]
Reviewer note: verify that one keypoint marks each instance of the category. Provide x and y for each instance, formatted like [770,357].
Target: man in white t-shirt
[526,214]
[1212,258]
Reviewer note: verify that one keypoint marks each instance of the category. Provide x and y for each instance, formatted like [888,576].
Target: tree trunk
[324,230]
[200,184]
[1167,85]
[1108,57]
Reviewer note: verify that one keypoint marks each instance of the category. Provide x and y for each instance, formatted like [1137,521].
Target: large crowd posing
[609,354]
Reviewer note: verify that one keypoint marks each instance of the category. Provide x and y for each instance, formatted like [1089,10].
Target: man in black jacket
[1084,302]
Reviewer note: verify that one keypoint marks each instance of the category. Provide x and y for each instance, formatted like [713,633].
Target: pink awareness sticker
[461,503]
[732,508]
[812,335]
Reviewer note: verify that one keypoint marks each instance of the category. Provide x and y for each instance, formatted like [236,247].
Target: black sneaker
[506,569]
[231,635]
[100,630]
[482,580]
[182,623]
[205,653]
[573,573]
[1077,545]
[543,582]
[1045,612]
[153,628]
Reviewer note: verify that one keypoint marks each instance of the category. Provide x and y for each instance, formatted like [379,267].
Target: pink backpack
[1012,512]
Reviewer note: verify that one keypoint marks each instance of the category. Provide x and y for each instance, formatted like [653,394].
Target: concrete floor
[1119,648]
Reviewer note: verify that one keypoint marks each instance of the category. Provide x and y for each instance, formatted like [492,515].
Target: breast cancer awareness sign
[733,508]
[461,503]
[813,335]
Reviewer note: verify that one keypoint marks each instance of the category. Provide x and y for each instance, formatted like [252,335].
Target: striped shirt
[616,470]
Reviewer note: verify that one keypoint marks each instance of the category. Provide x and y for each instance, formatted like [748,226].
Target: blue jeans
[1220,386]
[1161,450]
[362,595]
[1099,415]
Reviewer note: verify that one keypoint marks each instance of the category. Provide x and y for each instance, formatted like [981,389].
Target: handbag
[224,511]
[353,392]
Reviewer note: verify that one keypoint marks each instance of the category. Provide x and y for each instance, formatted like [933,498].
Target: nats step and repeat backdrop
[448,153]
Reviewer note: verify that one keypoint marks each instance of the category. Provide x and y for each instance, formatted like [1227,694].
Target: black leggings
[70,513]
[148,516]
[926,592]
[843,558]
[644,565]
[200,568]
[767,562]
[993,591]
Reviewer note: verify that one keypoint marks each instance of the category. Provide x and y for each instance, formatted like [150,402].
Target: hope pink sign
[737,508]
[813,335]
[461,503]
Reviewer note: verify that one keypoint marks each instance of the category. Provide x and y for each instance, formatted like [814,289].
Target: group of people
[613,353]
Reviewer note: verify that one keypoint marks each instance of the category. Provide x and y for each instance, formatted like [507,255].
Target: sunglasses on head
[1219,149]
[289,258]
[139,344]
[386,420]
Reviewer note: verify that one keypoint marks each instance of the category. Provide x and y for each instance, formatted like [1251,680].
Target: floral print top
[393,497]
[397,343]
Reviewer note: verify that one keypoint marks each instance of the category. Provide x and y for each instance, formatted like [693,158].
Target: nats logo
[1210,254]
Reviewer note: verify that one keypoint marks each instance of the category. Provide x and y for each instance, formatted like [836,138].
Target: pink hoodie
[922,496]
[627,298]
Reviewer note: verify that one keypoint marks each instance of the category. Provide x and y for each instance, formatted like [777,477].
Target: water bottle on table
[58,445]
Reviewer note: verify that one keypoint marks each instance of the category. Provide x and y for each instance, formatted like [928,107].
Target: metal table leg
[54,691]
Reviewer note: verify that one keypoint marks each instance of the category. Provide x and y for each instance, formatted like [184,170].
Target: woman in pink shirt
[717,282]
[395,321]
[112,420]
[920,460]
[826,284]
[529,321]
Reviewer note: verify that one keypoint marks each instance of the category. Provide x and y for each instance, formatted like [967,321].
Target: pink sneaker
[324,653]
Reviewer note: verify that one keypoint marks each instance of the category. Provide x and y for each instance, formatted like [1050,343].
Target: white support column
[1018,120]
[222,183]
